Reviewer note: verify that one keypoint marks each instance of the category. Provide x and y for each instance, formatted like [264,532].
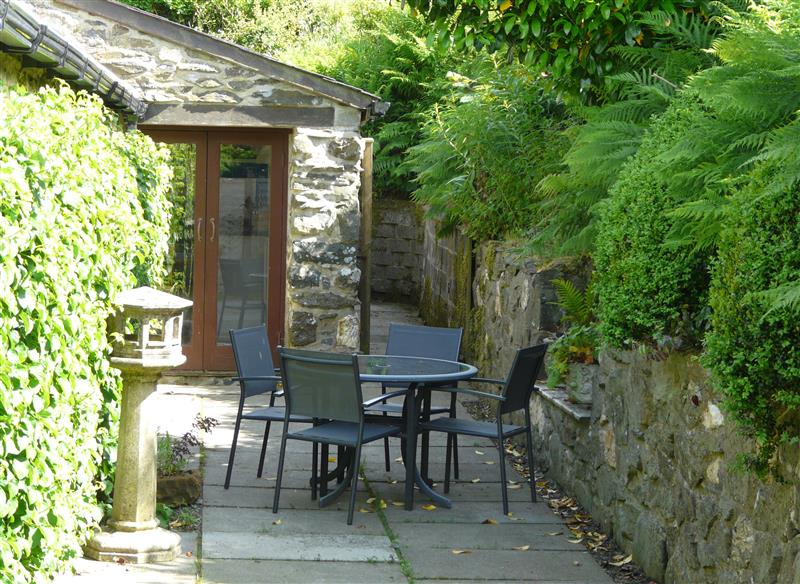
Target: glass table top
[411,369]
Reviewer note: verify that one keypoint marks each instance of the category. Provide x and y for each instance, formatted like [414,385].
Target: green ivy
[83,216]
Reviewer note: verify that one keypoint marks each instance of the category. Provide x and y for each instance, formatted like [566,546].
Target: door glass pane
[180,261]
[243,235]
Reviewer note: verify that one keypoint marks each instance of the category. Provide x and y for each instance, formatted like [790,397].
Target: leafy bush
[581,340]
[646,291]
[485,148]
[83,215]
[172,453]
[753,348]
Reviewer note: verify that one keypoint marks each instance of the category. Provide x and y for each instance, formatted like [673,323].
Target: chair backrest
[409,340]
[322,385]
[253,356]
[525,370]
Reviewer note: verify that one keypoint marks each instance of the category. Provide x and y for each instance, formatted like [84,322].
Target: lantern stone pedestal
[147,341]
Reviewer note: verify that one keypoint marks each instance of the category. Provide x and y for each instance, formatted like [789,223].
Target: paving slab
[293,522]
[263,571]
[344,547]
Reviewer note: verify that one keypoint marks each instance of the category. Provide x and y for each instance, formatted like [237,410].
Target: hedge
[648,292]
[83,215]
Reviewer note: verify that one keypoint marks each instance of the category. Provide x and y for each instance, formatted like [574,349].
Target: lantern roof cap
[148,298]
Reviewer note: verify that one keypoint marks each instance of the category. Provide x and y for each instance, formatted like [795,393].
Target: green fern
[575,303]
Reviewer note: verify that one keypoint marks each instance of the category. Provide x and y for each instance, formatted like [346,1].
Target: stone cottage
[267,166]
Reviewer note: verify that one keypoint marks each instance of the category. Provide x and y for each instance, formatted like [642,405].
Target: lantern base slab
[136,547]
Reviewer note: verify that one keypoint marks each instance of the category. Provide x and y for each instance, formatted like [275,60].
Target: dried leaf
[512,487]
[460,552]
[475,480]
[578,540]
[429,507]
[364,510]
[479,452]
[394,482]
[489,462]
[398,503]
[399,459]
[277,522]
[623,561]
[383,504]
[370,501]
[331,459]
[515,518]
[521,548]
[189,554]
[556,533]
[489,522]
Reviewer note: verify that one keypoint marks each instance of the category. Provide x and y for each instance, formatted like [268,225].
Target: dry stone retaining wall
[653,465]
[397,236]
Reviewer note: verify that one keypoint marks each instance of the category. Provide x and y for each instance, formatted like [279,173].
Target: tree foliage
[572,42]
[83,215]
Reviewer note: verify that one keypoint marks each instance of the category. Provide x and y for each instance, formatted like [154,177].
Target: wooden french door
[228,235]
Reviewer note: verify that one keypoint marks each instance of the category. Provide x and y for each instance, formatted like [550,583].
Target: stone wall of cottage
[324,223]
[167,72]
[324,161]
[653,464]
[397,236]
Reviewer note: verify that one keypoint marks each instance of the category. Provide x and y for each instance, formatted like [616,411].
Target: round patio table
[416,372]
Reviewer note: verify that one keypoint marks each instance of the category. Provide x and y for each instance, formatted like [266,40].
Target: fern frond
[573,302]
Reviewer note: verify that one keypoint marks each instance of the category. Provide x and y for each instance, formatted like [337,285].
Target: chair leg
[263,450]
[233,448]
[341,454]
[426,437]
[532,475]
[280,472]
[501,451]
[354,487]
[314,463]
[323,475]
[448,452]
[454,444]
[241,310]
[385,440]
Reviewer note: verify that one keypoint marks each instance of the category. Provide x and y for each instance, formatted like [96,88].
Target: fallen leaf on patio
[489,522]
[475,480]
[370,501]
[579,540]
[331,459]
[556,533]
[541,483]
[489,462]
[459,552]
[623,561]
[398,503]
[189,554]
[515,518]
[272,478]
[429,507]
[399,459]
[478,452]
[512,487]
[383,504]
[577,563]
[364,510]
[277,522]
[394,482]
[522,548]
[510,514]
[512,482]
[120,561]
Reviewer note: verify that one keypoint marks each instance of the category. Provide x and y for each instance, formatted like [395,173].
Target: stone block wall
[324,223]
[397,238]
[446,278]
[653,465]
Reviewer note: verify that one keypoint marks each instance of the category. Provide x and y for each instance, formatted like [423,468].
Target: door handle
[200,230]
[213,228]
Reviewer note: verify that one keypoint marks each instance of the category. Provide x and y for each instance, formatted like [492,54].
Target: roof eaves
[40,46]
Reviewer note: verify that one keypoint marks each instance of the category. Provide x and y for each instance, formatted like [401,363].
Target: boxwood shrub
[83,215]
[647,292]
[753,347]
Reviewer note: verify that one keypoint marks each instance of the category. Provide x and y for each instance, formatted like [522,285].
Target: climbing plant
[83,216]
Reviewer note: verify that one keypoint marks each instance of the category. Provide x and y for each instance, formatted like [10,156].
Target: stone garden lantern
[146,339]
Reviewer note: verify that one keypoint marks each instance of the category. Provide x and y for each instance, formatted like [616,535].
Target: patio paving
[242,541]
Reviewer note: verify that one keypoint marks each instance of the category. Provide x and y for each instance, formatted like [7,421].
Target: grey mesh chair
[256,376]
[409,340]
[515,395]
[326,387]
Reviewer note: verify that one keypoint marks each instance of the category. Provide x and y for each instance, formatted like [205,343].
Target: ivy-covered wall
[83,215]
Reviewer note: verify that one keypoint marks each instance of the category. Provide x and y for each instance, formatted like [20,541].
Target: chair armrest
[485,380]
[384,397]
[254,378]
[493,396]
